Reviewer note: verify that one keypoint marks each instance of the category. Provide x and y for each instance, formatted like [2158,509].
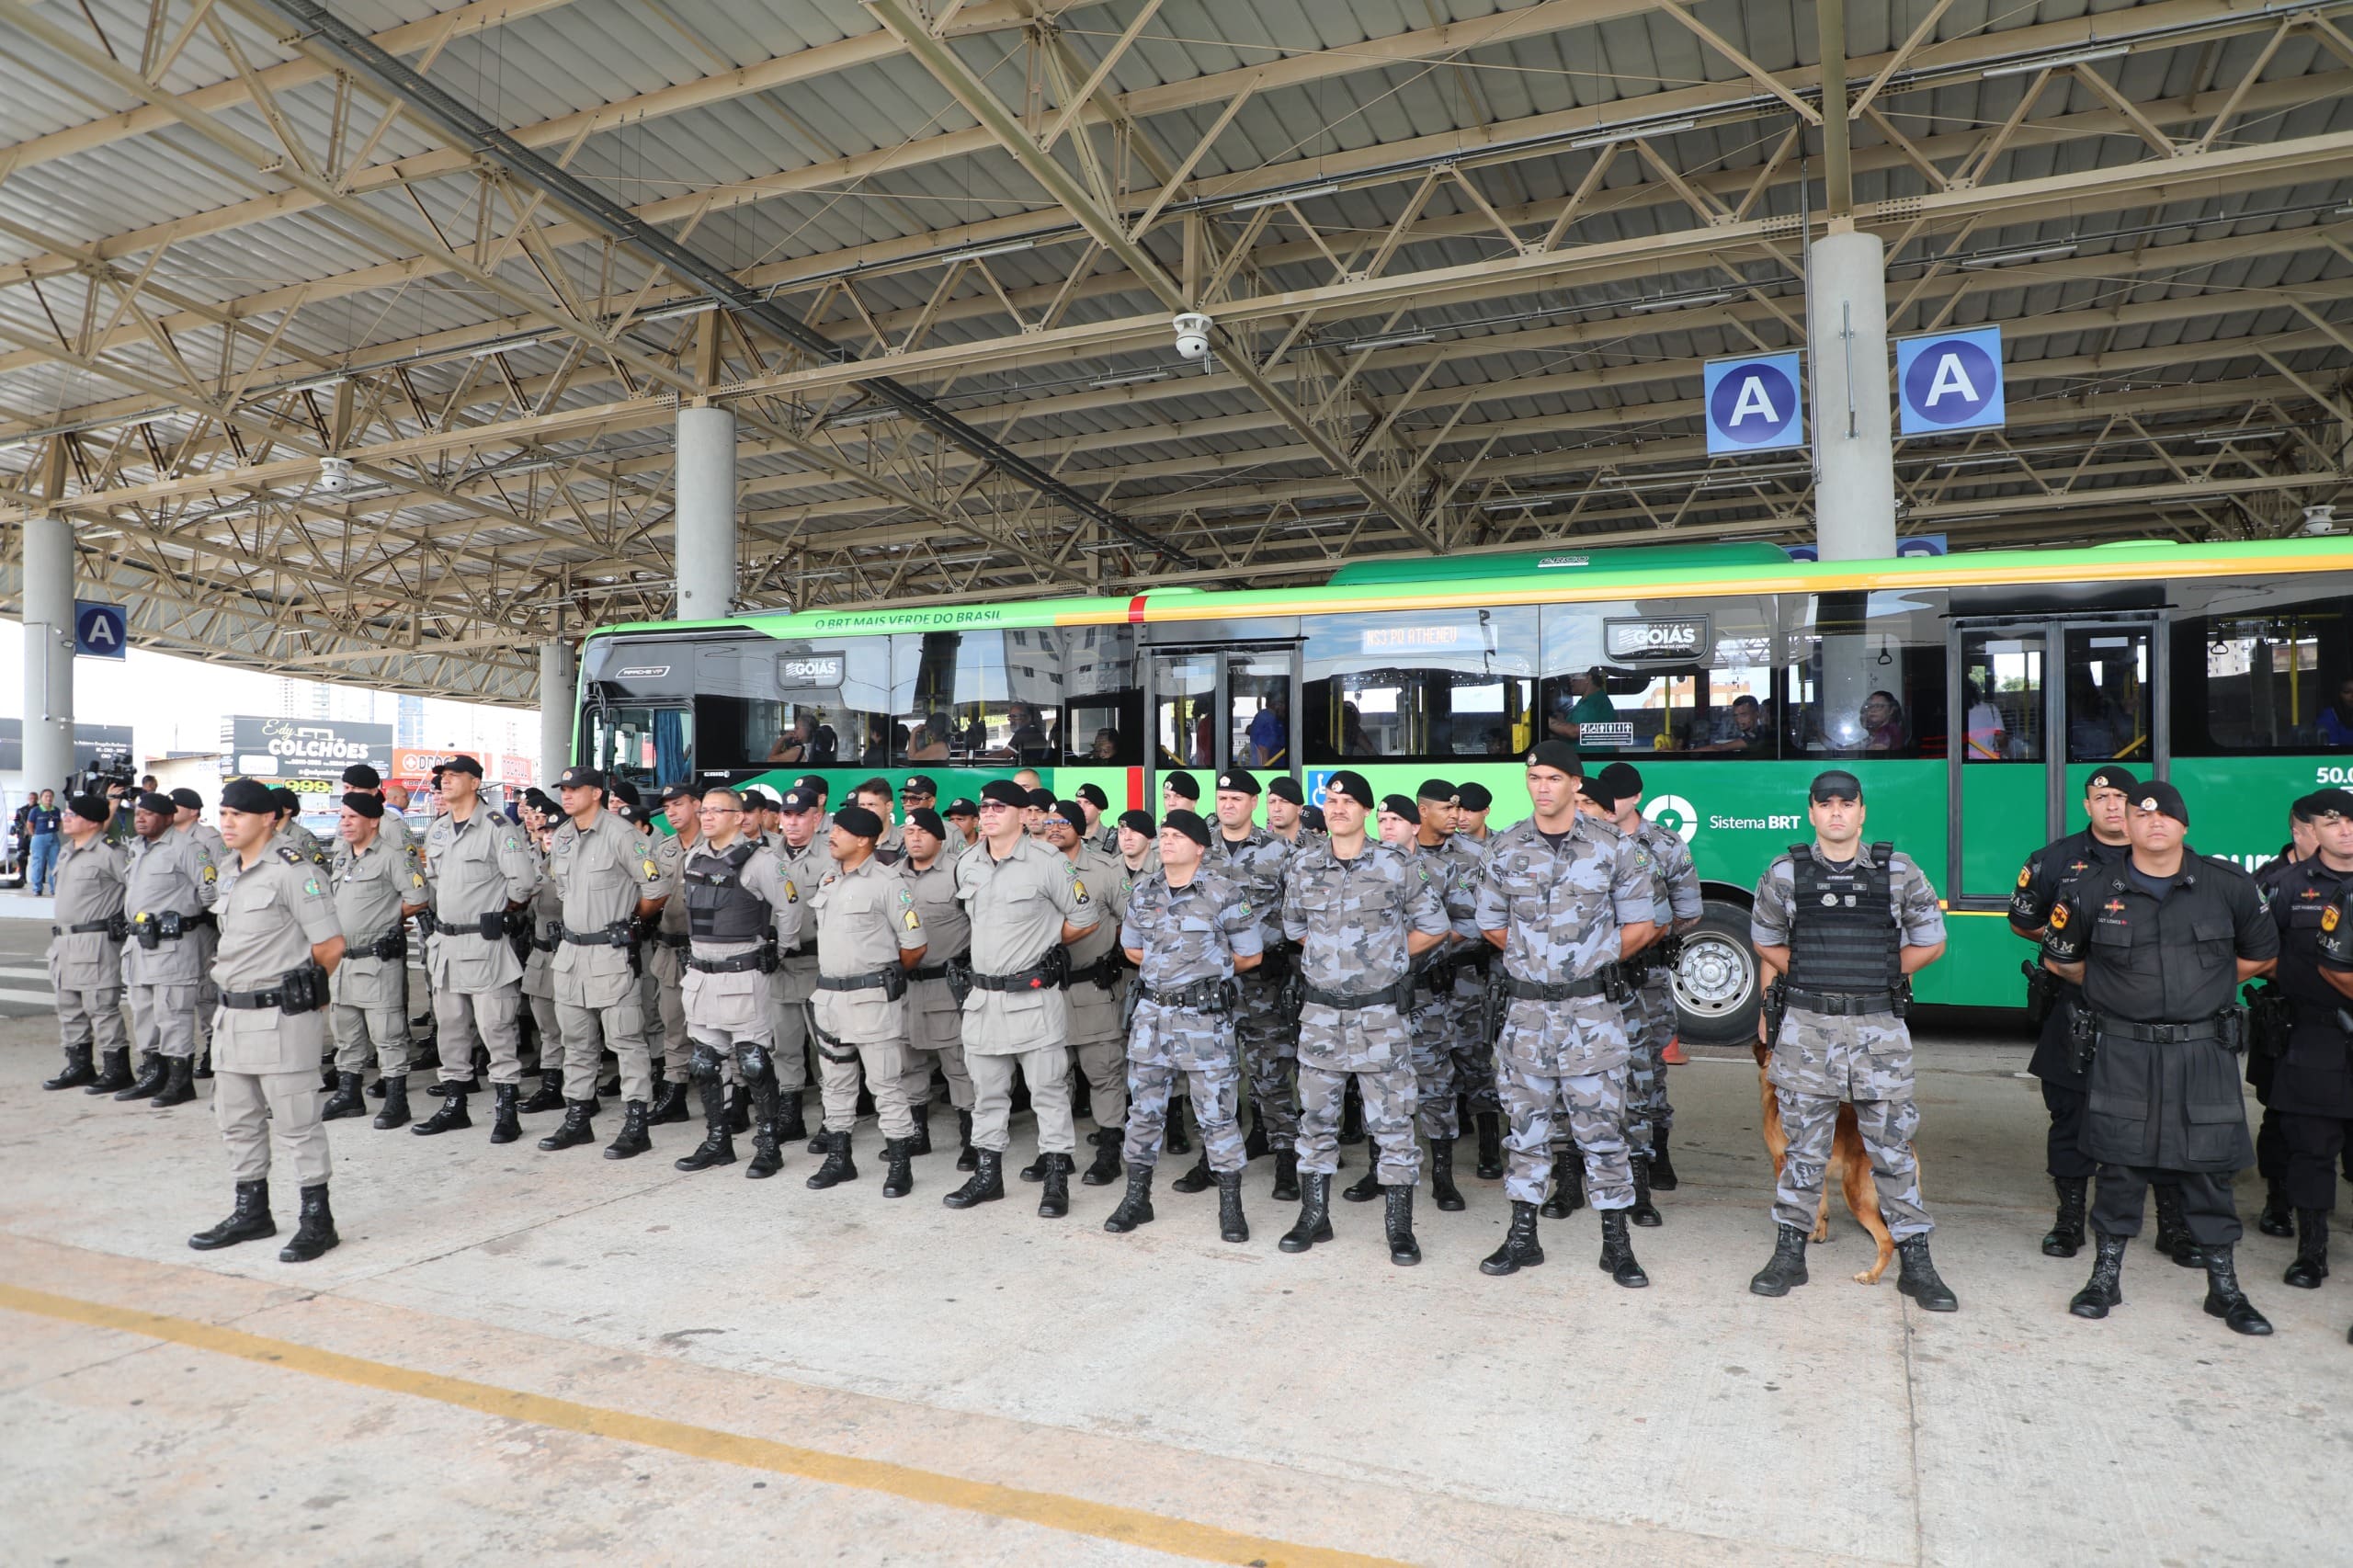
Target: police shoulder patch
[311,886]
[653,871]
[791,893]
[906,896]
[211,872]
[290,856]
[416,879]
[2059,918]
[2328,917]
[2026,875]
[914,921]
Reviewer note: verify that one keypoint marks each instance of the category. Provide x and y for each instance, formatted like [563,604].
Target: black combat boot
[2173,1231]
[1036,1169]
[396,1112]
[1568,1189]
[967,1158]
[1231,1225]
[1256,1146]
[1082,1097]
[1785,1267]
[249,1221]
[1351,1113]
[2224,1300]
[504,1100]
[152,1076]
[669,1105]
[1662,1169]
[1491,1146]
[1105,1168]
[2105,1288]
[204,1062]
[449,1119]
[1199,1179]
[1314,1222]
[315,1233]
[1519,1249]
[2276,1218]
[788,1122]
[2312,1250]
[633,1139]
[839,1166]
[347,1099]
[579,1127]
[1135,1208]
[180,1084]
[899,1173]
[1618,1251]
[1286,1176]
[921,1142]
[1366,1187]
[375,1090]
[2066,1235]
[326,1075]
[1173,1140]
[987,1185]
[548,1096]
[739,1110]
[1404,1250]
[1054,1202]
[78,1071]
[768,1149]
[114,1072]
[1645,1212]
[442,1088]
[1918,1277]
[718,1145]
[1443,1191]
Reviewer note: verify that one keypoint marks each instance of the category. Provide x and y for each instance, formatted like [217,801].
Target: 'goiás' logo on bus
[1676,639]
[1674,813]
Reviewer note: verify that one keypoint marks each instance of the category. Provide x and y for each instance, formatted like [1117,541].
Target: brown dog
[1848,1157]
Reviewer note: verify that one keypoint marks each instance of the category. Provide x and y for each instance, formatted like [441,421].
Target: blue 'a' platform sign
[1754,403]
[1949,381]
[100,632]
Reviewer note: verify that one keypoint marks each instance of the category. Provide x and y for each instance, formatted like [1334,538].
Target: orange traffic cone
[1673,1055]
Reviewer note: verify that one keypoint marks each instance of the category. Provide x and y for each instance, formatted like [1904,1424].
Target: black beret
[2325,803]
[1094,796]
[1005,792]
[1835,783]
[359,776]
[1184,785]
[1557,753]
[1352,784]
[89,807]
[160,804]
[1434,789]
[188,798]
[961,807]
[2162,798]
[1474,798]
[928,820]
[2111,776]
[1286,787]
[1140,822]
[1042,798]
[1313,816]
[285,800]
[367,806]
[464,764]
[1599,793]
[1621,779]
[1397,805]
[860,820]
[1069,812]
[1237,780]
[247,795]
[1189,823]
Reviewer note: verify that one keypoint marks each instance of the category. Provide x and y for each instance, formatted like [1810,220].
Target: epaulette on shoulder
[291,856]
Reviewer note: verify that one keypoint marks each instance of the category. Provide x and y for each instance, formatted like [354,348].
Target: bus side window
[1867,674]
[2262,666]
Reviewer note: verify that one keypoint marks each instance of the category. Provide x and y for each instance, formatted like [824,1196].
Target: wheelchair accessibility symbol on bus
[1674,813]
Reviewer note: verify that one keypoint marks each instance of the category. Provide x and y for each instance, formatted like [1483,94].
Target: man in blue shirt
[42,825]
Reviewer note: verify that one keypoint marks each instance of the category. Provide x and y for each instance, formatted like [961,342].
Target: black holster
[2041,992]
[303,988]
[1777,1009]
[2083,1038]
[960,979]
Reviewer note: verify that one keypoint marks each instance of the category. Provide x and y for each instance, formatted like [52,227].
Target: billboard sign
[308,755]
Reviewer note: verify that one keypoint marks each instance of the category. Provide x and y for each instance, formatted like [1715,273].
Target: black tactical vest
[719,908]
[1842,935]
[2302,897]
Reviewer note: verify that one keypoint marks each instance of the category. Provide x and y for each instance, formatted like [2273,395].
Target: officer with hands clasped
[2334,953]
[2160,943]
[609,880]
[1845,926]
[85,945]
[477,868]
[279,941]
[170,898]
[379,883]
[869,937]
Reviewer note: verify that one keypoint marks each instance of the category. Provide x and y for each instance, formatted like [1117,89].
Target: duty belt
[1398,994]
[113,926]
[490,928]
[393,944]
[1200,996]
[253,1001]
[2159,1034]
[878,981]
[928,972]
[172,924]
[1594,985]
[1021,980]
[1844,1003]
[613,935]
[1104,971]
[740,964]
[548,943]
[676,941]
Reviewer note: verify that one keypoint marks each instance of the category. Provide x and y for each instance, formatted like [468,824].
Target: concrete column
[556,709]
[49,653]
[1854,451]
[705,519]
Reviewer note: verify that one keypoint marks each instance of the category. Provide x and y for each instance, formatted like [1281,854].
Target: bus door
[2039,702]
[1212,708]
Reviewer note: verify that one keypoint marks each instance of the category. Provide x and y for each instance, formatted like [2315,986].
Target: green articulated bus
[1972,693]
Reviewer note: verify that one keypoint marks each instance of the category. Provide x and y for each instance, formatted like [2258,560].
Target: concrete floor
[582,1360]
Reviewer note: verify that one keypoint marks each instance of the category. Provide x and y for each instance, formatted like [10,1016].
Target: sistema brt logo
[1674,813]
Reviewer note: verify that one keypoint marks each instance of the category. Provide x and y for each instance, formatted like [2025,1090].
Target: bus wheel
[1715,983]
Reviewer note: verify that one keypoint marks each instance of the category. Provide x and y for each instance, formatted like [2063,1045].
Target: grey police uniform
[1474,1052]
[371,888]
[1257,863]
[474,870]
[601,873]
[208,937]
[1651,1018]
[85,945]
[170,876]
[865,917]
[935,1024]
[1841,1039]
[1563,907]
[1095,990]
[662,970]
[730,902]
[546,913]
[1350,919]
[1018,906]
[794,985]
[264,1060]
[1184,1017]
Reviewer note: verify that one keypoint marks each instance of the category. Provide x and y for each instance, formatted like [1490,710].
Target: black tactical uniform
[2276,1218]
[2311,1083]
[2160,985]
[2335,953]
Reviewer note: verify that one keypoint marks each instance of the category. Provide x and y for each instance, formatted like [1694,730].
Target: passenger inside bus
[794,744]
[1988,736]
[1270,731]
[1740,728]
[1882,722]
[2336,719]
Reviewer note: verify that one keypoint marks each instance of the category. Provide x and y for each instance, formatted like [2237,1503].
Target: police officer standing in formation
[288,805]
[379,884]
[2267,1041]
[663,958]
[2048,872]
[935,1023]
[869,936]
[1094,991]
[806,859]
[188,819]
[2160,943]
[1189,929]
[170,896]
[1848,925]
[543,917]
[2311,1084]
[1446,1028]
[2335,954]
[739,908]
[1025,901]
[609,879]
[1566,899]
[477,868]
[1360,913]
[279,941]
[1255,859]
[1649,1018]
[85,945]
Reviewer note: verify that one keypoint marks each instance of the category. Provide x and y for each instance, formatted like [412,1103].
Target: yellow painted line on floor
[1076,1516]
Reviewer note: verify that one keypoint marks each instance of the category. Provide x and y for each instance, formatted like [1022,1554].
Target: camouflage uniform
[1439,1022]
[1823,1058]
[1474,1054]
[1256,864]
[1096,1037]
[1649,1018]
[1563,908]
[1187,935]
[1351,918]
